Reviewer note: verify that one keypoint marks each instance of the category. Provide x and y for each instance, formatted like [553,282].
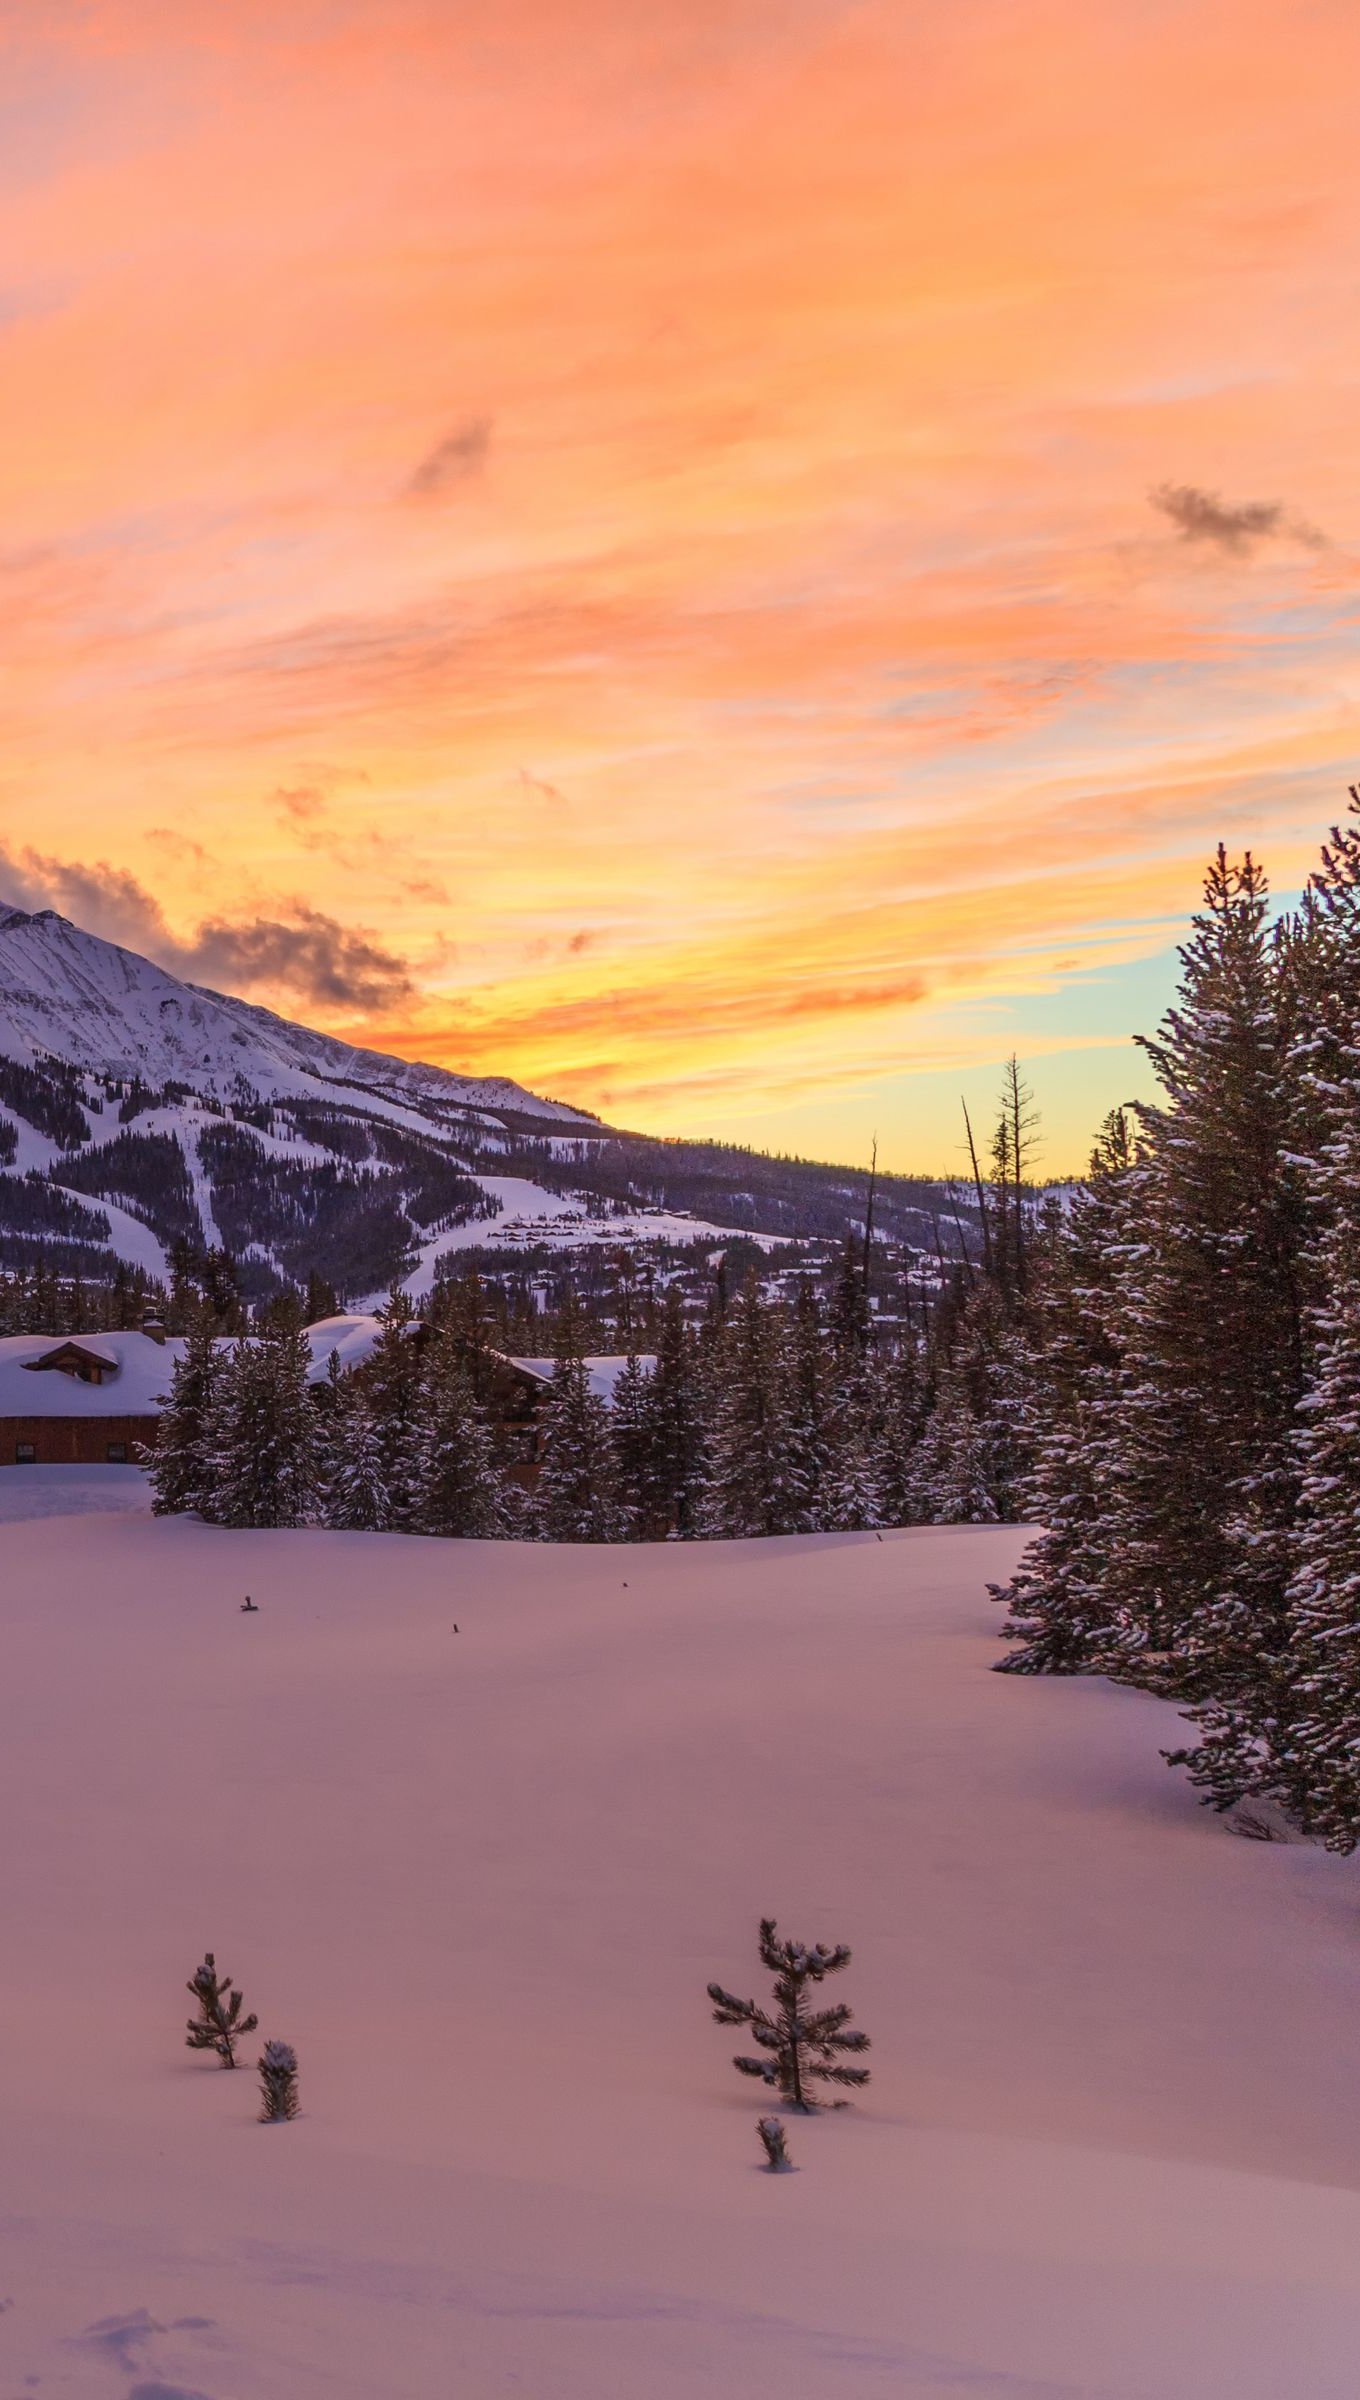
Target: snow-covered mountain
[65,994]
[140,1114]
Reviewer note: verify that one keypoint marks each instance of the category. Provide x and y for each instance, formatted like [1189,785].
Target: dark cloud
[301,951]
[460,456]
[1201,516]
[308,953]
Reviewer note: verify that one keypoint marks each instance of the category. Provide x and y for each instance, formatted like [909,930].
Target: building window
[25,1455]
[118,1454]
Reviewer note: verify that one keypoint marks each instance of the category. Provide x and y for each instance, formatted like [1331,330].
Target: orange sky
[614,543]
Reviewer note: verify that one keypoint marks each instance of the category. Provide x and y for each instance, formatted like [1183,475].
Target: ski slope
[1112,2143]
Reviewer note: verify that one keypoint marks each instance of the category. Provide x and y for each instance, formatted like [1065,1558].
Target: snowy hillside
[138,1113]
[1111,2145]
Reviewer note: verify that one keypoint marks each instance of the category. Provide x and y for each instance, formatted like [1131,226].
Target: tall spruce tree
[576,1496]
[1061,1609]
[355,1495]
[677,1408]
[1211,1336]
[754,1487]
[631,1438]
[1314,1739]
[390,1381]
[457,1487]
[264,1446]
[179,1466]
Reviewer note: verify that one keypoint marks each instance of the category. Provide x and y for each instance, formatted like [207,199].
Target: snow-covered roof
[352,1334]
[601,1373]
[136,1370]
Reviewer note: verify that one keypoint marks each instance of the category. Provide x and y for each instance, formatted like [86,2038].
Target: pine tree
[754,1487]
[1313,1741]
[808,1410]
[278,2083]
[219,2024]
[1062,1616]
[631,1435]
[853,1494]
[676,1407]
[179,1467]
[1211,1336]
[457,1487]
[576,1499]
[971,1461]
[264,1445]
[903,1409]
[390,1382]
[801,2046]
[354,1492]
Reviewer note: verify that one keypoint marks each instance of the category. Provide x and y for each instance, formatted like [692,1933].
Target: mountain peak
[67,994]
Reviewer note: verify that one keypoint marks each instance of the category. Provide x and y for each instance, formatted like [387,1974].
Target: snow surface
[70,1491]
[480,1880]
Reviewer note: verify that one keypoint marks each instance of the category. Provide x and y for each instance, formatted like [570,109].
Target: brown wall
[73,1441]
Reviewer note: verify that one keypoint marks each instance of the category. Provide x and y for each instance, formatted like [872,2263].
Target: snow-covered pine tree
[1210,1335]
[390,1382]
[1061,1614]
[853,1497]
[575,1499]
[904,1399]
[800,2046]
[808,1412]
[676,1403]
[1314,1741]
[219,2024]
[458,1488]
[631,1441]
[264,1450]
[354,1493]
[278,2068]
[754,1486]
[178,1466]
[972,1458]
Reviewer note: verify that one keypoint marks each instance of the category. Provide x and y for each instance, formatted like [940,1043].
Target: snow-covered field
[70,1492]
[1112,2141]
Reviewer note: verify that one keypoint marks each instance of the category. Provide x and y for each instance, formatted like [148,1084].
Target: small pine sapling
[802,2046]
[278,2083]
[771,2131]
[219,2022]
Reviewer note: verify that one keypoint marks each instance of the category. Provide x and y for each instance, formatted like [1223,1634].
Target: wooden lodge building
[95,1399]
[81,1399]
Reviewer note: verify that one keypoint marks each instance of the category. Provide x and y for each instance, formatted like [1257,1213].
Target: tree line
[1193,1402]
[768,1415]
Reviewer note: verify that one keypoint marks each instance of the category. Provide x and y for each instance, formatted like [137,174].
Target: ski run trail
[480,1879]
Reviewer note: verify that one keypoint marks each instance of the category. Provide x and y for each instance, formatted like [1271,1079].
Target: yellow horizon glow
[641,520]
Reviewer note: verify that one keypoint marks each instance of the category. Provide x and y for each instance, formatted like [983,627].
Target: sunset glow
[728,561]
